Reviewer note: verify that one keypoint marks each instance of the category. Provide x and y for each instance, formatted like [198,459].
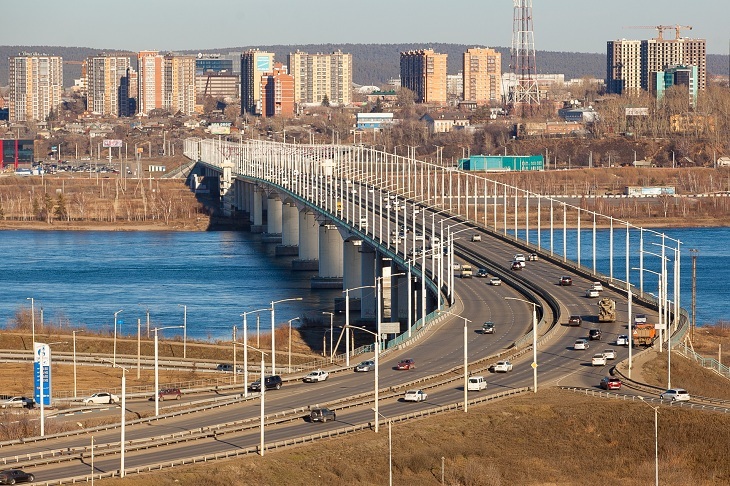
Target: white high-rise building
[36,85]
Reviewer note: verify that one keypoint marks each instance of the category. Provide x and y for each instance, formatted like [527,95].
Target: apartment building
[482,76]
[150,78]
[104,75]
[424,73]
[179,84]
[36,85]
[277,93]
[254,64]
[317,76]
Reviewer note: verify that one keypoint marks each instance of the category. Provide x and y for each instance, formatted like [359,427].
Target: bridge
[388,231]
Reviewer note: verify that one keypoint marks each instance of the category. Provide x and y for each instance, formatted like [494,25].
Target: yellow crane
[661,28]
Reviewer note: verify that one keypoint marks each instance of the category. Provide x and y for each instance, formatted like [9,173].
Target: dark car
[516,266]
[482,272]
[566,281]
[322,415]
[271,382]
[594,334]
[575,321]
[169,393]
[488,328]
[12,476]
[406,364]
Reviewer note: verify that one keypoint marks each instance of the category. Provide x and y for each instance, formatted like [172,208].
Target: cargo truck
[606,310]
[644,334]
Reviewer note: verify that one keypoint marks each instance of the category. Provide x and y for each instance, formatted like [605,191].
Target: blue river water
[81,278]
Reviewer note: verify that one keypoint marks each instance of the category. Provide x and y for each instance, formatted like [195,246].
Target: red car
[609,383]
[406,364]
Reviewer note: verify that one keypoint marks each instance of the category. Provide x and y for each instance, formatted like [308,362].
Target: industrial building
[502,163]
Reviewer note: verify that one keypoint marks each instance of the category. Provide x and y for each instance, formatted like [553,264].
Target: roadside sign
[42,371]
[390,327]
[112,143]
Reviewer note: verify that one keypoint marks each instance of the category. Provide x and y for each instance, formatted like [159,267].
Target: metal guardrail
[700,405]
[709,363]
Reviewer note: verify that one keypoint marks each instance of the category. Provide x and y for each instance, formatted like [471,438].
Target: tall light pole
[245,349]
[124,410]
[534,339]
[273,332]
[656,440]
[390,448]
[185,330]
[114,358]
[74,341]
[332,319]
[32,316]
[289,361]
[347,320]
[157,364]
[466,360]
[377,353]
[263,389]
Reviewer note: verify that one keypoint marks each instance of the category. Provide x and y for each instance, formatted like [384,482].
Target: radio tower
[524,97]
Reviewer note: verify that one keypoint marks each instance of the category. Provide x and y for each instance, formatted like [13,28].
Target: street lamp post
[185,329]
[656,440]
[377,353]
[347,320]
[245,349]
[157,375]
[124,409]
[466,361]
[273,332]
[263,389]
[289,347]
[534,339]
[74,341]
[114,358]
[332,318]
[390,448]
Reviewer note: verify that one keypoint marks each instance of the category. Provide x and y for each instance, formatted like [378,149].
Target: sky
[169,25]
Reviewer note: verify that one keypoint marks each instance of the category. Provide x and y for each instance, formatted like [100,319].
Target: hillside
[373,63]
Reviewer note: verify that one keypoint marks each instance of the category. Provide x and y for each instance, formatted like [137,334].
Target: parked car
[365,366]
[501,367]
[318,375]
[609,353]
[495,281]
[622,340]
[476,237]
[271,382]
[173,393]
[482,273]
[322,415]
[476,383]
[565,281]
[575,321]
[598,360]
[580,344]
[415,396]
[17,402]
[12,476]
[675,395]
[406,364]
[594,334]
[592,293]
[102,397]
[488,328]
[610,383]
[597,286]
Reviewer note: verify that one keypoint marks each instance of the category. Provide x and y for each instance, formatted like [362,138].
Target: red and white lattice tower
[524,96]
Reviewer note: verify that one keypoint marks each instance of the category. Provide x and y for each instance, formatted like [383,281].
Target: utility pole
[694,252]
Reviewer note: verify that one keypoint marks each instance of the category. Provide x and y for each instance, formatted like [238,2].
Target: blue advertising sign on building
[42,373]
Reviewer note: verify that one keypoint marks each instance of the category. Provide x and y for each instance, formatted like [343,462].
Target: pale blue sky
[560,25]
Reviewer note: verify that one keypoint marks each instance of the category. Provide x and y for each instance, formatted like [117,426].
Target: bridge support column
[289,231]
[308,243]
[227,195]
[273,220]
[368,310]
[258,210]
[330,258]
[352,275]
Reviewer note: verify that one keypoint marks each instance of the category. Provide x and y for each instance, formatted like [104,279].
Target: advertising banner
[112,143]
[42,373]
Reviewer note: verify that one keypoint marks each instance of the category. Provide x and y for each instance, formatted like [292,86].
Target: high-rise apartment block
[632,64]
[277,93]
[482,76]
[150,71]
[424,73]
[254,64]
[36,84]
[317,76]
[166,82]
[104,76]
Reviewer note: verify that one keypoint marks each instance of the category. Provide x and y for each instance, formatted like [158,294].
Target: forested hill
[373,64]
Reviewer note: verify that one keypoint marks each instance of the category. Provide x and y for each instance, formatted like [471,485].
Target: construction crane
[661,28]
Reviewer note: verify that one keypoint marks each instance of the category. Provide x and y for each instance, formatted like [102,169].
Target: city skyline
[168,25]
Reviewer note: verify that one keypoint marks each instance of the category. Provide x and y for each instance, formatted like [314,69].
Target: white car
[580,344]
[415,396]
[318,375]
[592,293]
[502,367]
[609,353]
[675,395]
[640,319]
[476,383]
[622,340]
[102,397]
[597,286]
[495,281]
[598,360]
[365,366]
[17,402]
[476,237]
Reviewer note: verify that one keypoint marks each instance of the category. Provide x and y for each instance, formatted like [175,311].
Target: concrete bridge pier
[308,243]
[289,231]
[273,220]
[352,275]
[227,194]
[368,307]
[257,225]
[330,258]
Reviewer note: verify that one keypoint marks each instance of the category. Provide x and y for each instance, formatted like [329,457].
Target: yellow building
[320,75]
[424,73]
[482,74]
[103,79]
[179,84]
[36,85]
[254,64]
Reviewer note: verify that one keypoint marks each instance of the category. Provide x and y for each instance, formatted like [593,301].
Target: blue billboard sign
[42,373]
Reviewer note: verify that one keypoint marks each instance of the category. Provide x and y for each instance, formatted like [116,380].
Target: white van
[476,383]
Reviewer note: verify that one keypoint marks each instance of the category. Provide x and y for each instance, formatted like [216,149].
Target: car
[675,395]
[495,281]
[580,344]
[415,396]
[575,320]
[12,476]
[592,293]
[102,397]
[610,383]
[622,340]
[501,367]
[488,328]
[594,334]
[227,367]
[457,266]
[519,257]
[609,353]
[173,393]
[533,257]
[597,286]
[476,237]
[476,383]
[640,319]
[482,272]
[318,375]
[271,382]
[598,360]
[565,281]
[17,402]
[322,415]
[365,366]
[406,364]
[516,266]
